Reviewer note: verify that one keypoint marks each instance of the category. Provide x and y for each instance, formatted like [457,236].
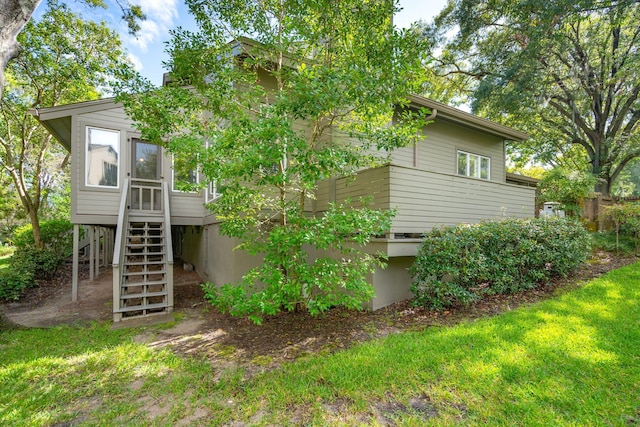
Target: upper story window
[473,165]
[212,192]
[102,157]
[185,179]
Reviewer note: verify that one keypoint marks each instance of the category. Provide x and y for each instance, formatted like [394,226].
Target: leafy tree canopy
[64,60]
[564,71]
[310,97]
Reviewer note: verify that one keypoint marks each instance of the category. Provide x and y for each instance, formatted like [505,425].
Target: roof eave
[452,114]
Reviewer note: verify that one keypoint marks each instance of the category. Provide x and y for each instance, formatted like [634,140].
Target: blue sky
[146,50]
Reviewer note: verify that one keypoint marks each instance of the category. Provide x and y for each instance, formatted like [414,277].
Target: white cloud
[160,18]
[137,63]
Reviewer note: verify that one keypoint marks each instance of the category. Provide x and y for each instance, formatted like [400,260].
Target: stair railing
[119,250]
[169,247]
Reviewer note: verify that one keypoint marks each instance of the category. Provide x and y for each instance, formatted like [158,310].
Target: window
[212,192]
[184,177]
[102,157]
[473,165]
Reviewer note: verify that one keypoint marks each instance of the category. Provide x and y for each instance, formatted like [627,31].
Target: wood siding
[424,199]
[100,205]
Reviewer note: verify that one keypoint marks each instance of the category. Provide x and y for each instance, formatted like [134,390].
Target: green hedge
[461,264]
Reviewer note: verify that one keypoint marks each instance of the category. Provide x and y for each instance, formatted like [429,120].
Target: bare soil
[230,341]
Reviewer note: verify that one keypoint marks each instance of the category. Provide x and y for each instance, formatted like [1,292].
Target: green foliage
[41,263]
[313,263]
[64,59]
[626,218]
[57,236]
[309,99]
[609,241]
[569,188]
[566,73]
[6,250]
[461,264]
[13,282]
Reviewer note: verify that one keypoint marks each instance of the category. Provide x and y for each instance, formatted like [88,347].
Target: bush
[42,263]
[57,235]
[626,218]
[461,264]
[14,282]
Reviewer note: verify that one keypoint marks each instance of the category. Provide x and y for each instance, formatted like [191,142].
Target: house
[126,190]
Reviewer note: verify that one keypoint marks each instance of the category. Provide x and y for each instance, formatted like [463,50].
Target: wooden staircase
[143,275]
[143,288]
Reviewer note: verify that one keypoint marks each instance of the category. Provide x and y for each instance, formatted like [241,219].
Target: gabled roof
[463,118]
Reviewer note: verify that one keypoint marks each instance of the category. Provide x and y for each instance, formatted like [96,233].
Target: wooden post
[74,275]
[96,236]
[92,249]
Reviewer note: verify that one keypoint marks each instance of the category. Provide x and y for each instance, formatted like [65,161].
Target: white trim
[86,156]
[478,168]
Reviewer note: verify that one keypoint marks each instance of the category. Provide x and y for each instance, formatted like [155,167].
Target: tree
[64,59]
[308,99]
[14,14]
[567,73]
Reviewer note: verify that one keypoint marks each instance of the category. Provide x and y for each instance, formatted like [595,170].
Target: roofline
[58,111]
[522,178]
[456,115]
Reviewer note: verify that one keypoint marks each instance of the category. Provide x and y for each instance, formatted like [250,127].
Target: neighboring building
[127,187]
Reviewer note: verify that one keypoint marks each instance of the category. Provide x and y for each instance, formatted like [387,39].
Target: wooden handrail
[121,224]
[167,223]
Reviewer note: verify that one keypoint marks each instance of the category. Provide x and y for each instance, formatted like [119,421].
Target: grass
[570,361]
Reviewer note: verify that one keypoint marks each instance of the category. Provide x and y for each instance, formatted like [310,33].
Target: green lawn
[572,361]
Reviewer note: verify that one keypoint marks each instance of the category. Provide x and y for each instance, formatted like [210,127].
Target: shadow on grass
[571,360]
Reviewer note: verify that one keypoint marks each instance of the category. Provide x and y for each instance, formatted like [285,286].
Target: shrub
[42,263]
[57,235]
[13,283]
[626,218]
[461,264]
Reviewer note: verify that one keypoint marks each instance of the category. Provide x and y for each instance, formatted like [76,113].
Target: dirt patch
[229,341]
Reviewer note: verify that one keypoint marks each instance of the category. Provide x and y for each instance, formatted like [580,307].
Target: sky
[146,51]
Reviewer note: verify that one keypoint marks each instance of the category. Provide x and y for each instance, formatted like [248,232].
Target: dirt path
[50,303]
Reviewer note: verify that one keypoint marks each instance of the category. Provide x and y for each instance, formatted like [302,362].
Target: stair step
[161,253]
[142,273]
[144,295]
[153,283]
[143,307]
[138,263]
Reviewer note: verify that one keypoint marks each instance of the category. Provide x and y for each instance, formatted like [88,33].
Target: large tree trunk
[14,14]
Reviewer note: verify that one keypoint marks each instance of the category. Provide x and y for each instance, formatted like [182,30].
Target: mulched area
[290,335]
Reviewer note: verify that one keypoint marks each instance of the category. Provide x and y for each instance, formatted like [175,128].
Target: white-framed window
[212,192]
[474,165]
[183,178]
[102,157]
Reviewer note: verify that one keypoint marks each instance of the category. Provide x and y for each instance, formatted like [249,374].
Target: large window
[102,157]
[473,165]
[185,177]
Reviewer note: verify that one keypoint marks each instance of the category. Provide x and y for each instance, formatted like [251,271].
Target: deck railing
[146,195]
